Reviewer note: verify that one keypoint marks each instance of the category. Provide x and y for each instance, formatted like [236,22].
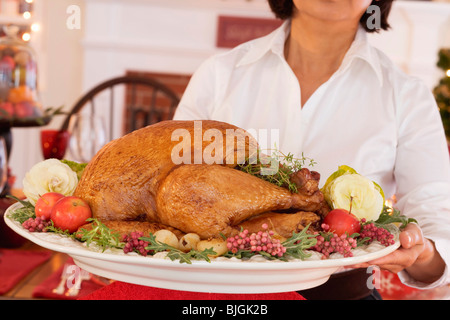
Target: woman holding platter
[338,100]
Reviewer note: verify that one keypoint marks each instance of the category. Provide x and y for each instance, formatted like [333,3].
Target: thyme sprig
[277,168]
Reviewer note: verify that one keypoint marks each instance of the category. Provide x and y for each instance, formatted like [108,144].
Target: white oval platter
[221,275]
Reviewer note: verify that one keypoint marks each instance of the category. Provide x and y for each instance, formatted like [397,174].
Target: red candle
[54,143]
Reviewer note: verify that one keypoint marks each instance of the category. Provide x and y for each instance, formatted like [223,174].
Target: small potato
[188,242]
[218,245]
[167,237]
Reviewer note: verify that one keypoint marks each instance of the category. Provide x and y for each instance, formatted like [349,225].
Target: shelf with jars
[19,13]
[19,102]
[19,96]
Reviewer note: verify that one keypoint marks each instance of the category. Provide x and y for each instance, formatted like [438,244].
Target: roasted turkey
[133,182]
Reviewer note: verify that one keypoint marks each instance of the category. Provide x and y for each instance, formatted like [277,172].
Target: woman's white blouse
[369,115]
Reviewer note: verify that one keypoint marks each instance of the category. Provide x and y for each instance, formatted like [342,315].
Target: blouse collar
[274,42]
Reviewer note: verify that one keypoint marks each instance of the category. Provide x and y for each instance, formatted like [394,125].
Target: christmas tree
[442,90]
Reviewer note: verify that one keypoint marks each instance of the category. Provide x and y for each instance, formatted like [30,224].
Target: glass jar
[19,101]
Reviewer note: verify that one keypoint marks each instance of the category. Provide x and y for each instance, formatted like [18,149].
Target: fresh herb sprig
[174,253]
[298,243]
[23,213]
[52,228]
[285,166]
[99,234]
[391,215]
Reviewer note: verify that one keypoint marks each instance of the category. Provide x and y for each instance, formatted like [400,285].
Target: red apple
[70,213]
[341,221]
[45,203]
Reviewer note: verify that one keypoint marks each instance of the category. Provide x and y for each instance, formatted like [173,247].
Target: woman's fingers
[412,245]
[412,235]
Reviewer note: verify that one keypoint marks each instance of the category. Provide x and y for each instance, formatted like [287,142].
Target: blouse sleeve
[198,98]
[422,170]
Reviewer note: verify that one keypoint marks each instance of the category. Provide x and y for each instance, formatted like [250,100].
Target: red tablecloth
[127,291]
[17,264]
[45,289]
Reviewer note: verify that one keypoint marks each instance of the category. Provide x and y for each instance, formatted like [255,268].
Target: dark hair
[284,9]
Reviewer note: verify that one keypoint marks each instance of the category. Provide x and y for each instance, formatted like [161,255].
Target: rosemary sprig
[52,228]
[174,253]
[298,243]
[23,213]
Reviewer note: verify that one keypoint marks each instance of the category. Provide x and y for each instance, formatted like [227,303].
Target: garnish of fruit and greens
[358,218]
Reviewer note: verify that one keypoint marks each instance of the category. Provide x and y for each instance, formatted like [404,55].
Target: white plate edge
[86,252]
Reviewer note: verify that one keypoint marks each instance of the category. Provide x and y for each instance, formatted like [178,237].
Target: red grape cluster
[256,242]
[133,243]
[37,224]
[372,232]
[329,242]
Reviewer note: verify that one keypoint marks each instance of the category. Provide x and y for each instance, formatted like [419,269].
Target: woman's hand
[417,255]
